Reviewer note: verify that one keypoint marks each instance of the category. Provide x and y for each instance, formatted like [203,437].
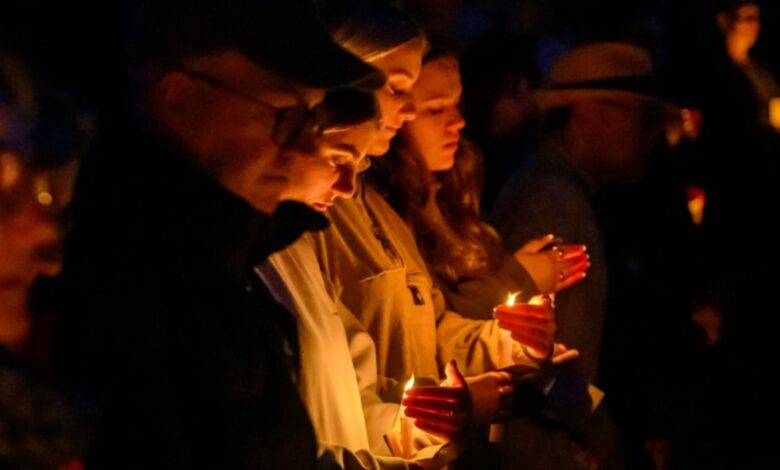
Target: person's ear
[724,22]
[171,95]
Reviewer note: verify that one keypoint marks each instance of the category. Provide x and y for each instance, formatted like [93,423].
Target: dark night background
[77,45]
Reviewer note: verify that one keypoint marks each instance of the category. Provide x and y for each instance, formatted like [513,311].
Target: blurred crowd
[374,234]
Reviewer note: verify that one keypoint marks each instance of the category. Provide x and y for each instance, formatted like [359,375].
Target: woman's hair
[461,245]
[370,28]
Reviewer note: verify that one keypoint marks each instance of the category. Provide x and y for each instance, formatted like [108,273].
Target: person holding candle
[370,258]
[604,122]
[166,328]
[338,362]
[432,178]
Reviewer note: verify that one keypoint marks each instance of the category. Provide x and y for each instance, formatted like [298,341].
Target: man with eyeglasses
[180,346]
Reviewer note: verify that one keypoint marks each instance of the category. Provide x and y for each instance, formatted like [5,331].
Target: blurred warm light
[511,299]
[409,384]
[697,199]
[45,198]
[10,170]
[774,113]
[691,123]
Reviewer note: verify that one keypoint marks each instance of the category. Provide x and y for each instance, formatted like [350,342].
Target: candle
[407,428]
[505,344]
[505,341]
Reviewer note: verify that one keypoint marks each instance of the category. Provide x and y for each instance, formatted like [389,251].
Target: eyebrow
[400,72]
[349,148]
[440,97]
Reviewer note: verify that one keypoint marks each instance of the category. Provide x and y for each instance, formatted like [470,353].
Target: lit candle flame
[409,384]
[512,298]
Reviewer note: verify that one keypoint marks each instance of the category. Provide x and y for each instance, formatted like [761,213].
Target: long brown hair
[460,245]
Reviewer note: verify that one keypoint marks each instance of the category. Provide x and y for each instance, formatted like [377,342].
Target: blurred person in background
[603,123]
[499,74]
[39,149]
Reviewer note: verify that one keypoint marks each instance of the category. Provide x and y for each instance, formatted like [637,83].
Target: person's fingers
[570,281]
[445,416]
[453,376]
[537,244]
[537,353]
[573,260]
[436,393]
[581,266]
[572,250]
[502,377]
[493,377]
[525,310]
[517,323]
[565,356]
[433,403]
[541,344]
[445,432]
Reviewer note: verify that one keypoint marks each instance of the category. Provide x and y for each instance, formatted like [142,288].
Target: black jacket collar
[155,190]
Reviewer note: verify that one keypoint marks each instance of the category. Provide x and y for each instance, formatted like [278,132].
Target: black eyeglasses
[290,123]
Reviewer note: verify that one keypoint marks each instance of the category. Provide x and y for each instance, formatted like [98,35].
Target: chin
[445,163]
[379,147]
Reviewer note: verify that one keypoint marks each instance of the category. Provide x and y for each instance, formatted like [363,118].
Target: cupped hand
[491,393]
[561,353]
[445,411]
[532,325]
[556,268]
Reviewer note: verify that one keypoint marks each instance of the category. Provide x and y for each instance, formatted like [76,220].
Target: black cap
[283,36]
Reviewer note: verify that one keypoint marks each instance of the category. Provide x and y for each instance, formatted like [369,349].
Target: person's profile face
[743,26]
[318,179]
[243,119]
[30,242]
[402,68]
[434,134]
[623,133]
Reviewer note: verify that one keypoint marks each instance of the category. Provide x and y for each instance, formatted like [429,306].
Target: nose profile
[456,123]
[408,111]
[346,181]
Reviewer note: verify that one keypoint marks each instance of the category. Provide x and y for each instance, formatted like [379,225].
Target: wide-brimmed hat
[604,70]
[286,37]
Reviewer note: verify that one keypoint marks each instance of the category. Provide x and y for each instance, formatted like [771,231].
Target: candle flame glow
[409,384]
[511,299]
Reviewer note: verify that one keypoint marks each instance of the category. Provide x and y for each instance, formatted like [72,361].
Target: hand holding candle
[552,265]
[532,324]
[445,411]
